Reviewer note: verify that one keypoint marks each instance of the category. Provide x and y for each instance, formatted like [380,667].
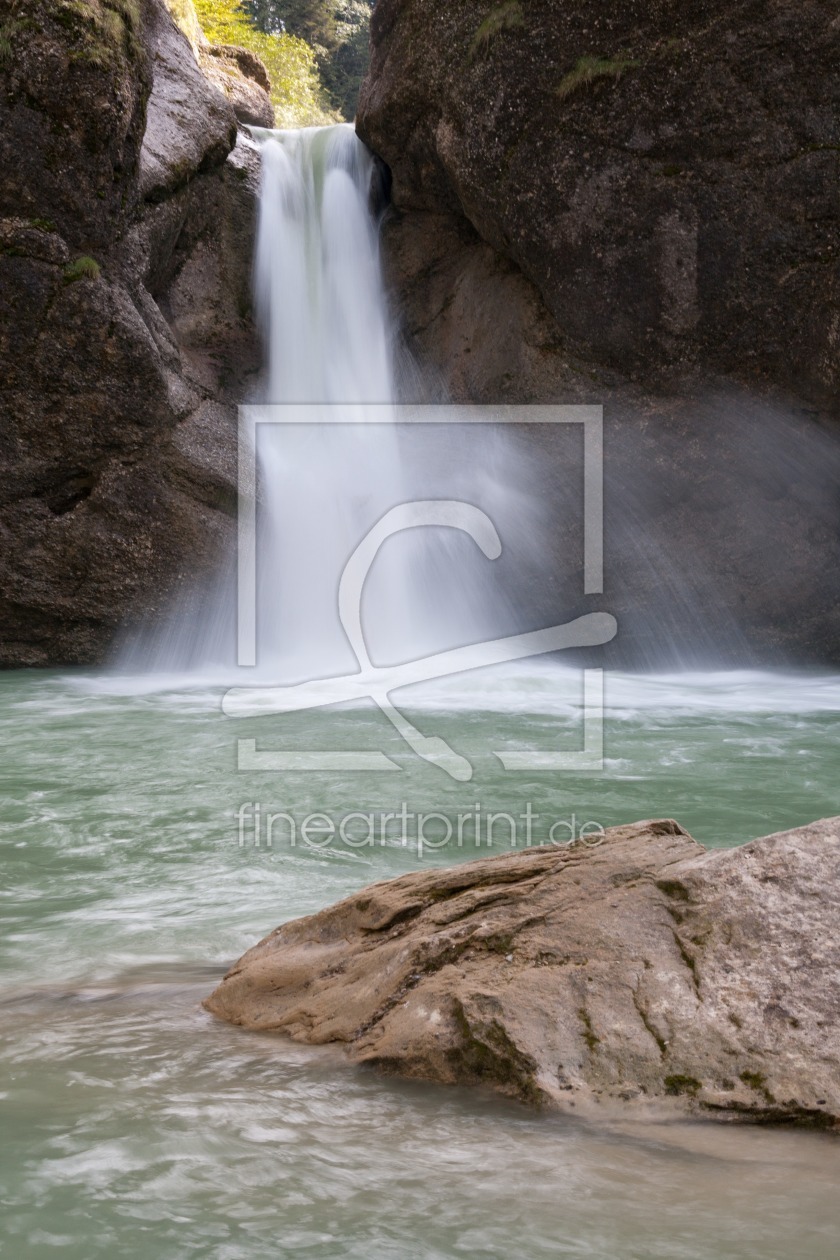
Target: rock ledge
[644,972]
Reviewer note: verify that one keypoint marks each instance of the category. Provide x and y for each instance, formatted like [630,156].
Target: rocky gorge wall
[664,176]
[638,206]
[127,213]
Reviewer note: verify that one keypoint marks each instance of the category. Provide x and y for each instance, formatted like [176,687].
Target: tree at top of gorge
[336,29]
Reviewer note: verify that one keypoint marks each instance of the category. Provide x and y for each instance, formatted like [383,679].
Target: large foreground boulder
[641,970]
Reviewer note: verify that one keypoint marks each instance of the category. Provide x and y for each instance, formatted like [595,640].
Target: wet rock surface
[637,207]
[126,237]
[643,972]
[665,177]
[190,125]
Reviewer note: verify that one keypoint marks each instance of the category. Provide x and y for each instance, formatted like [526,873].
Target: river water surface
[134,1124]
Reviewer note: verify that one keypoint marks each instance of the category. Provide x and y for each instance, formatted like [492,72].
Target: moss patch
[588,1031]
[590,70]
[8,33]
[83,268]
[488,1054]
[758,1082]
[105,30]
[679,1084]
[505,17]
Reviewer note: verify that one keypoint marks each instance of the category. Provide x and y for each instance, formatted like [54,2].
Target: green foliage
[83,268]
[266,16]
[185,15]
[505,17]
[337,31]
[296,89]
[679,1084]
[344,71]
[590,69]
[312,20]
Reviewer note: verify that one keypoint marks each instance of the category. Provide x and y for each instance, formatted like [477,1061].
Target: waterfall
[319,293]
[321,487]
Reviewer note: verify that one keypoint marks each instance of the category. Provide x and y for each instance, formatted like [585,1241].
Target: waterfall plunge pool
[134,1124]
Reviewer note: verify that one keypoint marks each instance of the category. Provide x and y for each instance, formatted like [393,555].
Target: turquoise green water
[135,1125]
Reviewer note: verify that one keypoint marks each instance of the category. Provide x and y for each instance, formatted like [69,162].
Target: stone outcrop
[640,971]
[637,206]
[664,178]
[189,127]
[127,214]
[241,77]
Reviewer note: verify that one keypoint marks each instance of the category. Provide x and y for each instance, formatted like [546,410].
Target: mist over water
[722,517]
[331,458]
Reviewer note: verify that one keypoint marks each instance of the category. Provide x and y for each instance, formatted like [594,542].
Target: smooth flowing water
[324,472]
[134,1124]
[143,852]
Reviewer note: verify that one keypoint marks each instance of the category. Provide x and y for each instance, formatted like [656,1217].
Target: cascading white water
[322,486]
[329,338]
[322,310]
[317,278]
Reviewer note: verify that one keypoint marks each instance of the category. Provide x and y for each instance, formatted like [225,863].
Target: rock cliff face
[585,205]
[660,178]
[639,972]
[637,205]
[127,213]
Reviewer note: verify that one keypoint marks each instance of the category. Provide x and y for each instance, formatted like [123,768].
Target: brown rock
[644,971]
[73,92]
[125,332]
[190,125]
[636,206]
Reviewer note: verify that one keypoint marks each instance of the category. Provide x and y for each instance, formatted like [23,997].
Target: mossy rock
[83,268]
